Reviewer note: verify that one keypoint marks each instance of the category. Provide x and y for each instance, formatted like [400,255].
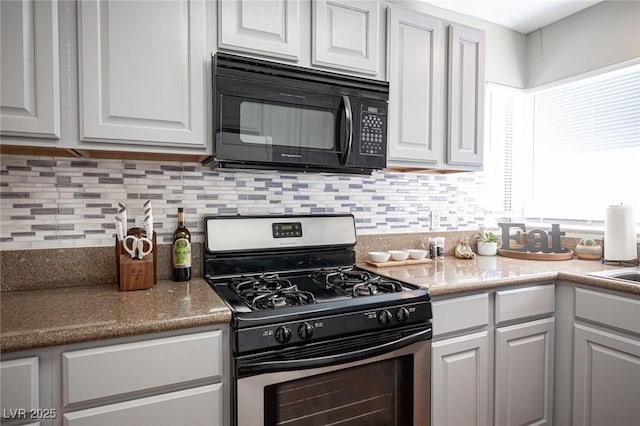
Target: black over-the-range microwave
[269,115]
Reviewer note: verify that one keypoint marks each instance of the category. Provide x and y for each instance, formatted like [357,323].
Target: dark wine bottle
[181,251]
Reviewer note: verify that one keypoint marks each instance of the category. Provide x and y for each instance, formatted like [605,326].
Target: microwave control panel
[372,131]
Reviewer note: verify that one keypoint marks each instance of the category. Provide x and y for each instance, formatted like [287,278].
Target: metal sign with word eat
[536,240]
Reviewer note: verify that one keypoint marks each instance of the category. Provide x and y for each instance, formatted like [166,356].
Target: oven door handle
[348,115]
[298,364]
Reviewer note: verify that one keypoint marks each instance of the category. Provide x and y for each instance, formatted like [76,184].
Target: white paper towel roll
[619,234]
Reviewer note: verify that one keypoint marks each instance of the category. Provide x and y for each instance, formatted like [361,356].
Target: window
[503,150]
[578,154]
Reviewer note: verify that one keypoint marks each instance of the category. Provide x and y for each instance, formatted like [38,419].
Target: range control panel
[287,230]
[372,131]
[305,330]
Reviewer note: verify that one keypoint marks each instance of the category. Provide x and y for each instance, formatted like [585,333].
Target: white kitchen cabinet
[345,35]
[466,96]
[493,357]
[30,87]
[142,73]
[269,28]
[460,380]
[138,375]
[196,406]
[436,77]
[416,76]
[154,363]
[19,385]
[169,378]
[524,373]
[460,313]
[606,358]
[606,381]
[460,365]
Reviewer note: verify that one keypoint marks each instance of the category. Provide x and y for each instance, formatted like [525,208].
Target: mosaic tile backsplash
[58,202]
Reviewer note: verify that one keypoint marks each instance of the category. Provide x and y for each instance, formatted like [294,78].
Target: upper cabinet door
[30,90]
[345,35]
[142,72]
[416,72]
[466,96]
[262,27]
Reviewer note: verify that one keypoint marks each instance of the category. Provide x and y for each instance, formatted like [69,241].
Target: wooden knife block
[136,274]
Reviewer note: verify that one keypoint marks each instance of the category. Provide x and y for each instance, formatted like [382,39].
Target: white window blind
[586,148]
[503,142]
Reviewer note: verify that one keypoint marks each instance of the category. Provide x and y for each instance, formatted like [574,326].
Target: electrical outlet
[434,216]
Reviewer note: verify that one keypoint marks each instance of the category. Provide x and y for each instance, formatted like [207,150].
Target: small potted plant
[488,244]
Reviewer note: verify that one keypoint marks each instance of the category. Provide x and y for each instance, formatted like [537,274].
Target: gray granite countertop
[454,276]
[50,317]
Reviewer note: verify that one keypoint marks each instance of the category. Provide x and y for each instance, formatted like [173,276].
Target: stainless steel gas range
[315,339]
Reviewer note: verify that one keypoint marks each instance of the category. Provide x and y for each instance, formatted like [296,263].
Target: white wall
[505,49]
[602,35]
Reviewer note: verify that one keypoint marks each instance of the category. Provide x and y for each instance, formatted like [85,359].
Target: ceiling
[523,16]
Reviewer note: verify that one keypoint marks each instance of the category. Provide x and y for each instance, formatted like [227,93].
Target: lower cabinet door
[460,380]
[606,378]
[524,374]
[193,407]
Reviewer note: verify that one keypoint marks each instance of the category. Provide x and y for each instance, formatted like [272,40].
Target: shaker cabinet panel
[30,85]
[115,370]
[606,378]
[142,72]
[460,313]
[466,96]
[416,72]
[524,302]
[268,28]
[524,373]
[345,35]
[196,406]
[608,309]
[19,384]
[460,380]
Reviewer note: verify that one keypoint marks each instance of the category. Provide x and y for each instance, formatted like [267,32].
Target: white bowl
[379,256]
[417,254]
[398,254]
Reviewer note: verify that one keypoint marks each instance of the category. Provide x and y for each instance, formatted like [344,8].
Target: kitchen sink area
[631,274]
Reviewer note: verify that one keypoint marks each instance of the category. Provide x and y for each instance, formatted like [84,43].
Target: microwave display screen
[291,126]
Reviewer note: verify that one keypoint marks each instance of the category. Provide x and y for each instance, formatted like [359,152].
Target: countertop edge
[15,342]
[598,282]
[36,319]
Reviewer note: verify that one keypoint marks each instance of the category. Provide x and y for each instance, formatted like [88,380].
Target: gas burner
[265,282]
[269,291]
[364,289]
[282,298]
[355,282]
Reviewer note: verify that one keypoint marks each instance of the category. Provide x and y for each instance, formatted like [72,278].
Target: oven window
[270,124]
[374,394]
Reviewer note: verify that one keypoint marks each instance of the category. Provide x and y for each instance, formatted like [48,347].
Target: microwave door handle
[348,115]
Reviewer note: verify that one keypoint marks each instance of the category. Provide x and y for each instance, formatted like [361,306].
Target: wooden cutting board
[397,262]
[536,256]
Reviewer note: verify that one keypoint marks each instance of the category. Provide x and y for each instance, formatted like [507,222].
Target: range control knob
[283,334]
[384,317]
[305,331]
[402,314]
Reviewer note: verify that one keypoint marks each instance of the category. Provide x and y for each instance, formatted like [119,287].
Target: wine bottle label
[181,253]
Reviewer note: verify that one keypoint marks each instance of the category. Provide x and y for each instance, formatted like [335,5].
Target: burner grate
[355,282]
[269,292]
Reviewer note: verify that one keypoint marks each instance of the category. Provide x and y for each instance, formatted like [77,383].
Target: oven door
[261,122]
[382,384]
